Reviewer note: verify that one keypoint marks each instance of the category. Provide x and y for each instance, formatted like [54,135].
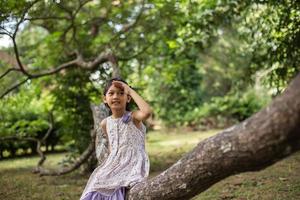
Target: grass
[278,182]
[17,181]
[164,149]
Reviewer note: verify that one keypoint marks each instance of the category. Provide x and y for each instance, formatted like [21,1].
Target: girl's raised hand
[122,86]
[144,110]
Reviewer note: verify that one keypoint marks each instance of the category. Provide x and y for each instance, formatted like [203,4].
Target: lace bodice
[126,164]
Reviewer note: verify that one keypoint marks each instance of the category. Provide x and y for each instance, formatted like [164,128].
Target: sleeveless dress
[126,164]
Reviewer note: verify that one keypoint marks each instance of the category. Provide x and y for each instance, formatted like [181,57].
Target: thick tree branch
[14,38]
[20,65]
[66,65]
[78,62]
[103,57]
[263,139]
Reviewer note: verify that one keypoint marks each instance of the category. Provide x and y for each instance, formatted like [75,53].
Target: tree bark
[101,142]
[263,139]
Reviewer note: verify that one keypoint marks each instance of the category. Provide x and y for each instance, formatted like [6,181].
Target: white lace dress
[127,163]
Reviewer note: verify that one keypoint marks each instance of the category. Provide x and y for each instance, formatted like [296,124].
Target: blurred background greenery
[200,64]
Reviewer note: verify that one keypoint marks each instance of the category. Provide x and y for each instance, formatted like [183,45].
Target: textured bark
[101,142]
[263,139]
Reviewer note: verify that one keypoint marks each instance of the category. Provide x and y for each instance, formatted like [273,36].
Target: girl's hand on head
[122,86]
[144,111]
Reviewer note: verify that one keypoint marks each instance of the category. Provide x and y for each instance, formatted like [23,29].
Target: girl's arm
[144,111]
[103,127]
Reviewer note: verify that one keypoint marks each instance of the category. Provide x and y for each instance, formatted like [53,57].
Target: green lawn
[280,181]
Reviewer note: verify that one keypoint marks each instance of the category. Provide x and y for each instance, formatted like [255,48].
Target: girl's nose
[116,95]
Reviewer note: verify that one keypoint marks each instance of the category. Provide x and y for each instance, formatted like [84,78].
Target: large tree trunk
[263,139]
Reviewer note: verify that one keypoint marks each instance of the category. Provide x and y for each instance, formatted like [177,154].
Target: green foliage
[271,29]
[24,114]
[190,59]
[72,100]
[175,91]
[228,57]
[235,106]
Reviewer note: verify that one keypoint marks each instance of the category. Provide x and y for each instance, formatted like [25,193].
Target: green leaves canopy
[179,54]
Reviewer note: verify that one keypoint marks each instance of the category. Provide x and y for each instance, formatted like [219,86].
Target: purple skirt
[119,194]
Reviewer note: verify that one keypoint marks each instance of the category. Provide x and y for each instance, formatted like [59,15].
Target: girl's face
[116,98]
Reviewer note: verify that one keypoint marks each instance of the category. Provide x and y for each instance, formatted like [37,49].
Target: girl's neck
[117,113]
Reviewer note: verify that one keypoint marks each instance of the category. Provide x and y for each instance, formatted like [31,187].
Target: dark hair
[108,85]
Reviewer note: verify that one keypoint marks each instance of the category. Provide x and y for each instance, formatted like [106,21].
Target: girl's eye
[110,93]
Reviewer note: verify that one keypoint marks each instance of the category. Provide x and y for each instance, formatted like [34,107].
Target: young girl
[127,162]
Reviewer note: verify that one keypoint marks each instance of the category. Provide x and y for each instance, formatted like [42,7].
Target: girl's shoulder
[103,122]
[137,123]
